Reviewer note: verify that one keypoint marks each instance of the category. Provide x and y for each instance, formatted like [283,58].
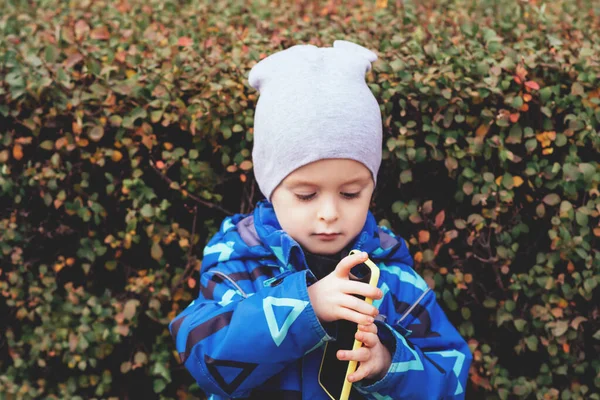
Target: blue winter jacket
[252,328]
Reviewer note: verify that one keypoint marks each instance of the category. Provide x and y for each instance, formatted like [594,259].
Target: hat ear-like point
[356,49]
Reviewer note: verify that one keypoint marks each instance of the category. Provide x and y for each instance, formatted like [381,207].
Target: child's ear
[356,49]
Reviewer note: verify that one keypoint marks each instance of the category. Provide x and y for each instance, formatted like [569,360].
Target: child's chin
[325,248]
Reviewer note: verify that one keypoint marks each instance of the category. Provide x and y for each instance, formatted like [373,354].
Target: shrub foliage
[126,134]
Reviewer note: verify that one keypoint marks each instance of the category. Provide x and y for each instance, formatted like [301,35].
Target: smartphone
[333,373]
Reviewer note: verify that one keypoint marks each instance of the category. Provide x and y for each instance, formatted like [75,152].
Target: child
[274,282]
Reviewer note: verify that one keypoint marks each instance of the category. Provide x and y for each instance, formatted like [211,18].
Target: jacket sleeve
[232,341]
[430,360]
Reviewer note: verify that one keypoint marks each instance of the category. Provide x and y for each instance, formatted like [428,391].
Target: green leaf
[532,342]
[560,328]
[159,385]
[502,317]
[160,369]
[47,145]
[590,284]
[140,358]
[577,89]
[490,302]
[515,134]
[156,251]
[226,132]
[130,308]
[147,211]
[520,324]
[552,199]
[509,305]
[545,94]
[406,176]
[588,171]
[96,133]
[581,218]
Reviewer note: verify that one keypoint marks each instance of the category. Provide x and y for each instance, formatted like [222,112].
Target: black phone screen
[333,370]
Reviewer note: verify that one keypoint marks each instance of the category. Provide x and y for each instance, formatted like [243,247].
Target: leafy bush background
[125,137]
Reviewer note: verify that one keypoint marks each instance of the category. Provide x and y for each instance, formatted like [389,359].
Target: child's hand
[373,357]
[332,297]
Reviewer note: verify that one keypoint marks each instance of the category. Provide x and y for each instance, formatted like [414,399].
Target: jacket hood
[259,236]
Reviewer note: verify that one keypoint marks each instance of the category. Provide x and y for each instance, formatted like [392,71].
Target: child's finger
[363,370]
[342,270]
[372,328]
[361,289]
[353,316]
[367,339]
[358,305]
[361,354]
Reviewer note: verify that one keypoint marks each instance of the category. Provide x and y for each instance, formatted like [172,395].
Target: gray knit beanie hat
[314,104]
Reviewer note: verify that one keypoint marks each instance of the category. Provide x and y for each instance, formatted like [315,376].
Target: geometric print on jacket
[252,331]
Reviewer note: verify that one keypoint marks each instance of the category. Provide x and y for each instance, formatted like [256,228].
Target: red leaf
[72,60]
[532,85]
[81,29]
[100,33]
[521,72]
[439,219]
[185,41]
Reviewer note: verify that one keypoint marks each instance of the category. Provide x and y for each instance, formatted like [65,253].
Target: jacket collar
[288,252]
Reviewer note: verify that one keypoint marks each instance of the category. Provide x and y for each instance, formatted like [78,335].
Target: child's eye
[305,197]
[350,195]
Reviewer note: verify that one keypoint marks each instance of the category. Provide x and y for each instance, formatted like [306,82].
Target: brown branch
[486,260]
[187,194]
[190,259]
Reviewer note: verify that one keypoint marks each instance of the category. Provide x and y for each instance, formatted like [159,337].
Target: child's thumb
[342,270]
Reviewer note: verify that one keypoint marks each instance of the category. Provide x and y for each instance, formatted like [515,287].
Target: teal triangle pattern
[293,309]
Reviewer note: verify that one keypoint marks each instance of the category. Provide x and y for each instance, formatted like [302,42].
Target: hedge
[126,136]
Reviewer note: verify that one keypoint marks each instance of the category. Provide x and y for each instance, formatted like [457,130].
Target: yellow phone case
[357,344]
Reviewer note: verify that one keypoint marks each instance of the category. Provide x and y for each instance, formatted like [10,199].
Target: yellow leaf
[517,181]
[184,243]
[116,156]
[129,73]
[419,257]
[547,151]
[499,180]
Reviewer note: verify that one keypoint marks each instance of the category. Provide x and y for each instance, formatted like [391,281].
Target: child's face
[324,205]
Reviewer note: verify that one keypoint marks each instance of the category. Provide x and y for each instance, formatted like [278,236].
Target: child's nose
[328,211]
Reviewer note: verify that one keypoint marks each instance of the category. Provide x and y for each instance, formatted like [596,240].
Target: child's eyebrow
[361,179]
[300,182]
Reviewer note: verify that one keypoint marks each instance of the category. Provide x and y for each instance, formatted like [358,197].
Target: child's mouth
[327,236]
